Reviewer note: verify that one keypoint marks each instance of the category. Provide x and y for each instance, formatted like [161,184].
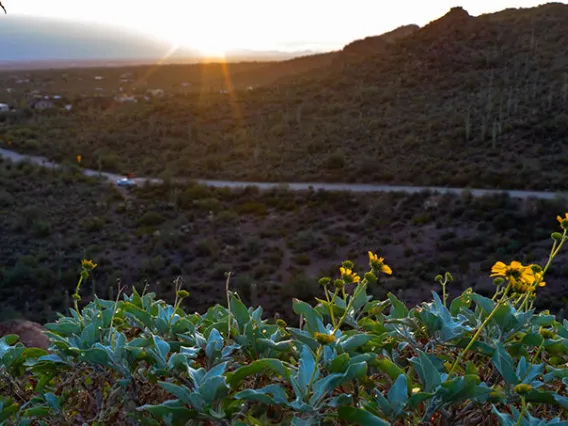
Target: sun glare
[208,45]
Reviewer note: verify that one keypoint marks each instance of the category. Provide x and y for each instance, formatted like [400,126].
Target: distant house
[41,104]
[125,99]
[98,78]
[4,107]
[156,92]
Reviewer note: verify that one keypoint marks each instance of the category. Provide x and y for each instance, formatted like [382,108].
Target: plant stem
[318,356]
[356,294]
[478,332]
[336,327]
[228,306]
[76,298]
[331,304]
[522,413]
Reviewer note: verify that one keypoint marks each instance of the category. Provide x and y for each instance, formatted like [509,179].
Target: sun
[211,46]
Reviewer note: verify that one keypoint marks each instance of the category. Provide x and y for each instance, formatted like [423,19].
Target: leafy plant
[352,360]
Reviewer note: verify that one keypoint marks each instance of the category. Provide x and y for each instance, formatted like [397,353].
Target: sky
[217,25]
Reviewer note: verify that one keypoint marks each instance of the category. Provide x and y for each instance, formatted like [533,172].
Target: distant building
[98,77]
[125,99]
[156,92]
[4,107]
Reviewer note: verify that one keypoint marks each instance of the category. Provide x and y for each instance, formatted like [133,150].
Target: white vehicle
[125,182]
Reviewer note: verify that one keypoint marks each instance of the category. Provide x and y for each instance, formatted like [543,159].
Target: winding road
[298,186]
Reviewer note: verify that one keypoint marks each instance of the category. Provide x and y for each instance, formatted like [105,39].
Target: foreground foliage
[352,360]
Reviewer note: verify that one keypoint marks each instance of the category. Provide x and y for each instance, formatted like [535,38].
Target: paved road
[353,187]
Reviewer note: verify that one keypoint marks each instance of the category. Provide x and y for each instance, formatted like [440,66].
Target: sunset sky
[217,25]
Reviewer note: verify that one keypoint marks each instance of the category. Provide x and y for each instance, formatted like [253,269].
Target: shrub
[352,360]
[151,219]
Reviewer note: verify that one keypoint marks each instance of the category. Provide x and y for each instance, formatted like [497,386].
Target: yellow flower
[514,272]
[79,158]
[523,279]
[89,265]
[378,264]
[349,276]
[563,221]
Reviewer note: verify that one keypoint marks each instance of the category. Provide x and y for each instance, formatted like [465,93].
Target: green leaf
[172,412]
[339,364]
[484,303]
[270,395]
[461,388]
[37,412]
[390,368]
[94,356]
[162,347]
[504,363]
[313,319]
[142,316]
[307,367]
[8,410]
[180,392]
[52,400]
[532,339]
[461,302]
[429,375]
[398,394]
[544,320]
[360,417]
[398,309]
[214,344]
[239,310]
[65,327]
[329,383]
[89,336]
[355,342]
[275,365]
[213,388]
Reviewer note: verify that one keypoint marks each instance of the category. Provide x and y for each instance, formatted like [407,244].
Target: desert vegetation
[275,243]
[353,359]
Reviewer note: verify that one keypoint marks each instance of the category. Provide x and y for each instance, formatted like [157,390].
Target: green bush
[352,360]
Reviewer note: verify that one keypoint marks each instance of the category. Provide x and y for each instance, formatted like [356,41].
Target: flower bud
[347,264]
[370,277]
[324,281]
[324,339]
[182,293]
[339,284]
[522,389]
[547,333]
[498,281]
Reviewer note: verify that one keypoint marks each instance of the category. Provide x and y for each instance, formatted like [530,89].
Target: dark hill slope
[478,101]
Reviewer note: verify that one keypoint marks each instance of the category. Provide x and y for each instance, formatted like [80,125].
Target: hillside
[279,241]
[463,101]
